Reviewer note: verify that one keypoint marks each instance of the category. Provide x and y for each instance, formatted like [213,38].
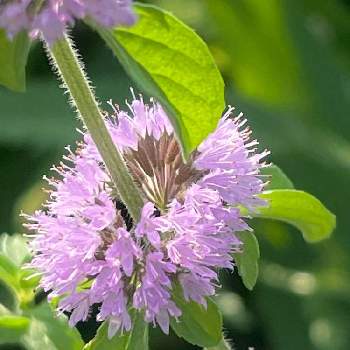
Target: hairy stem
[71,72]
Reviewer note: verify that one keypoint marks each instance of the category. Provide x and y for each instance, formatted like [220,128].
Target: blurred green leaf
[277,178]
[14,247]
[136,339]
[13,60]
[254,50]
[170,62]
[8,298]
[29,278]
[4,310]
[301,210]
[247,260]
[39,328]
[12,327]
[13,252]
[9,273]
[50,332]
[197,325]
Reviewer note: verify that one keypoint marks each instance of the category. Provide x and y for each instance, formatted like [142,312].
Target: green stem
[72,74]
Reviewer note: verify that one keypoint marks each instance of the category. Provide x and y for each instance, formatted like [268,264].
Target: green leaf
[14,247]
[4,310]
[136,339]
[301,210]
[170,62]
[8,300]
[49,332]
[29,278]
[223,345]
[277,178]
[197,325]
[12,327]
[13,60]
[9,272]
[247,260]
[13,253]
[38,328]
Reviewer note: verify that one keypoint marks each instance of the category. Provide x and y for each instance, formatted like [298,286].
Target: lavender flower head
[90,251]
[52,16]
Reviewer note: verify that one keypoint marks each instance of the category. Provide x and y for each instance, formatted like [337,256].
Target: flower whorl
[90,251]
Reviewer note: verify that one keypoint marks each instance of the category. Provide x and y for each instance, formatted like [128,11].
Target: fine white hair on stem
[56,70]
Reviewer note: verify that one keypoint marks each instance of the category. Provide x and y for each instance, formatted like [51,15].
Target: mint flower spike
[53,16]
[90,251]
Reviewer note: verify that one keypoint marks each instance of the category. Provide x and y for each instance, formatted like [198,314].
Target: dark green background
[286,65]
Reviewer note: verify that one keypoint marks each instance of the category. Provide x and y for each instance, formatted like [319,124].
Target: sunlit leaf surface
[172,64]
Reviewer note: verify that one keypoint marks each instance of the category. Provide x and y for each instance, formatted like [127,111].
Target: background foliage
[286,65]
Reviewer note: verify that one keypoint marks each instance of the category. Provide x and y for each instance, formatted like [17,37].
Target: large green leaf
[301,210]
[170,62]
[197,325]
[136,339]
[247,260]
[13,59]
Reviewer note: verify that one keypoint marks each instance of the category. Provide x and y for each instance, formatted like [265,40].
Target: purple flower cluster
[52,16]
[90,251]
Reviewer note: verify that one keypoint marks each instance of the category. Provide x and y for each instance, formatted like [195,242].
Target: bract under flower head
[50,17]
[90,251]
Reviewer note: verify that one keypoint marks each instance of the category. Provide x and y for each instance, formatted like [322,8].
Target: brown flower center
[159,169]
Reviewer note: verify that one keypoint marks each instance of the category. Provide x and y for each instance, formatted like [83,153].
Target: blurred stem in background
[66,62]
